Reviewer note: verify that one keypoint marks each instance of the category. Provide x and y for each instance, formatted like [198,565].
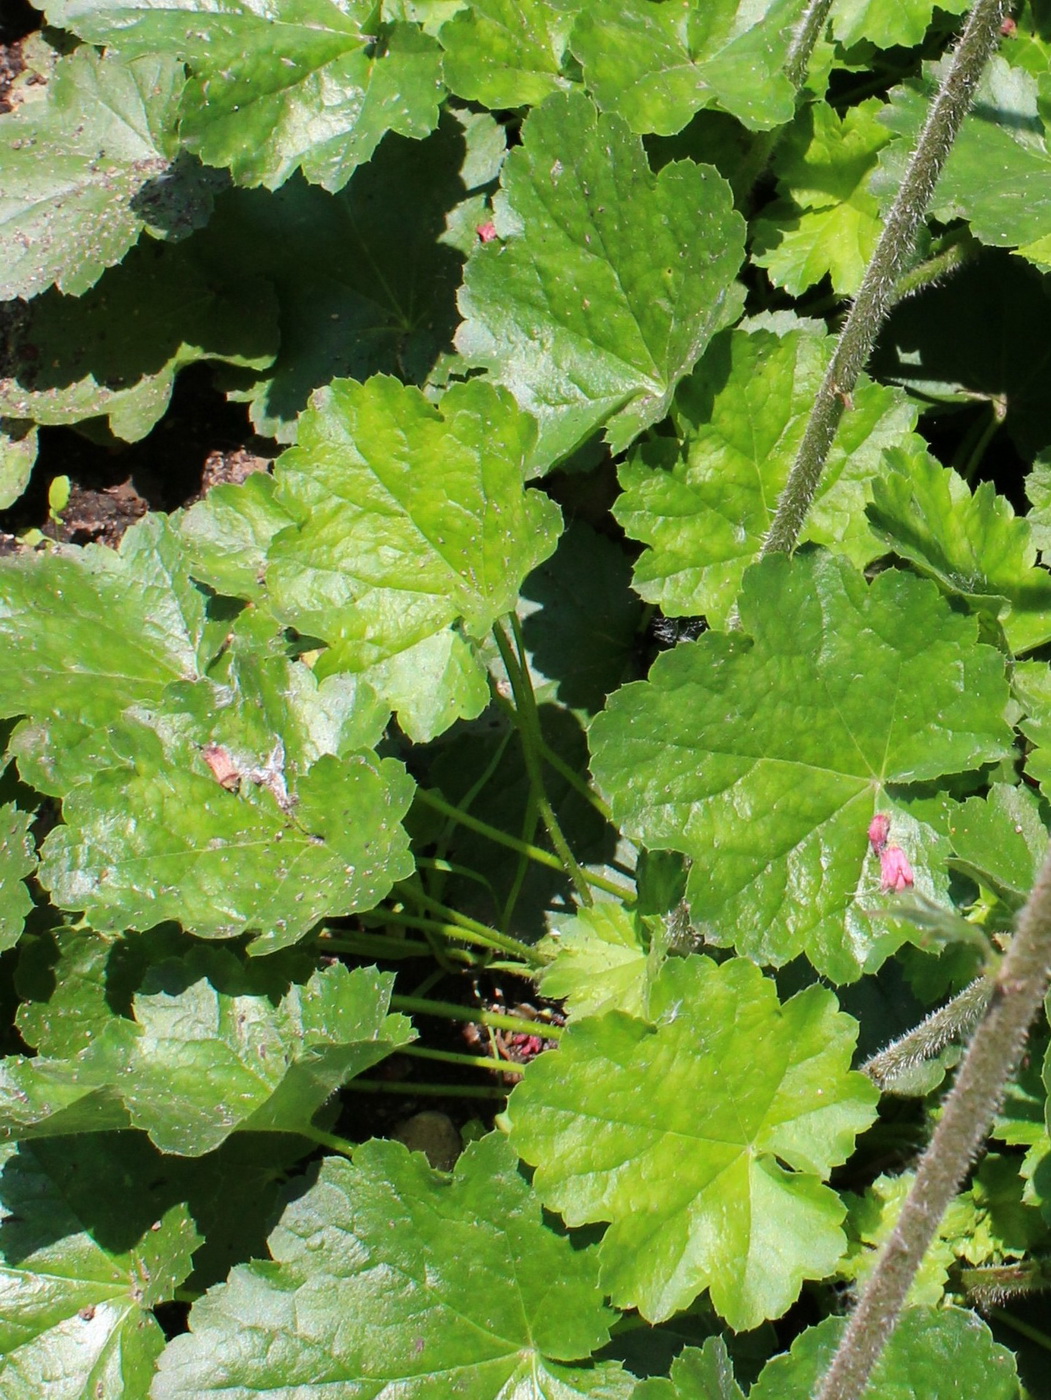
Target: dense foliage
[486,684]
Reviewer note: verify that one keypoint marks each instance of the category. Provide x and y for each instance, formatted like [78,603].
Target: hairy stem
[807,32]
[950,1022]
[1016,993]
[879,287]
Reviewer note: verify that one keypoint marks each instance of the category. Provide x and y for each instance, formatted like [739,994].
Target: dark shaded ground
[202,440]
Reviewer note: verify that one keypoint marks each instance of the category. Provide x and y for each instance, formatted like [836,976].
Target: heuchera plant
[582,327]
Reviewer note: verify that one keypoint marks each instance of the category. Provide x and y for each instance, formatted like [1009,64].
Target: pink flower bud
[879,830]
[486,232]
[895,870]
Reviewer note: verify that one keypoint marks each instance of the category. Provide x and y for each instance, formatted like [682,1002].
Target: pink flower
[895,870]
[486,232]
[879,830]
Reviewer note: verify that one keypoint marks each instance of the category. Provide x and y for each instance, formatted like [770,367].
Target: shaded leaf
[696,1374]
[307,85]
[76,1317]
[18,449]
[764,757]
[83,172]
[704,505]
[656,65]
[598,296]
[413,534]
[68,366]
[708,1164]
[389,1215]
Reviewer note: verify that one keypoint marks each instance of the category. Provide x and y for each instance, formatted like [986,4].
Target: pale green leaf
[83,172]
[933,1354]
[601,962]
[507,53]
[656,65]
[704,505]
[228,533]
[708,1163]
[871,1218]
[1031,686]
[414,531]
[763,755]
[973,544]
[829,223]
[309,85]
[599,294]
[327,1317]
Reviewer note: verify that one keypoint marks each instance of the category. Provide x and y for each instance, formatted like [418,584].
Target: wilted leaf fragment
[656,65]
[277,87]
[704,505]
[413,530]
[764,757]
[383,1280]
[607,281]
[707,1161]
[17,860]
[933,1354]
[76,1317]
[85,171]
[974,545]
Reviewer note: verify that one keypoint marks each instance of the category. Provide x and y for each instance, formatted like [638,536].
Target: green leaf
[17,860]
[656,65]
[98,630]
[387,1216]
[83,172]
[507,53]
[602,961]
[599,295]
[828,222]
[933,1354]
[996,176]
[413,535]
[1001,840]
[870,1220]
[161,842]
[973,545]
[307,85]
[228,534]
[696,1374]
[214,1048]
[1031,686]
[704,505]
[365,279]
[904,22]
[708,1163]
[18,449]
[764,756]
[77,1318]
[69,366]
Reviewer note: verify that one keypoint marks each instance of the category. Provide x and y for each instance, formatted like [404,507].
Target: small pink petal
[879,830]
[895,870]
[486,232]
